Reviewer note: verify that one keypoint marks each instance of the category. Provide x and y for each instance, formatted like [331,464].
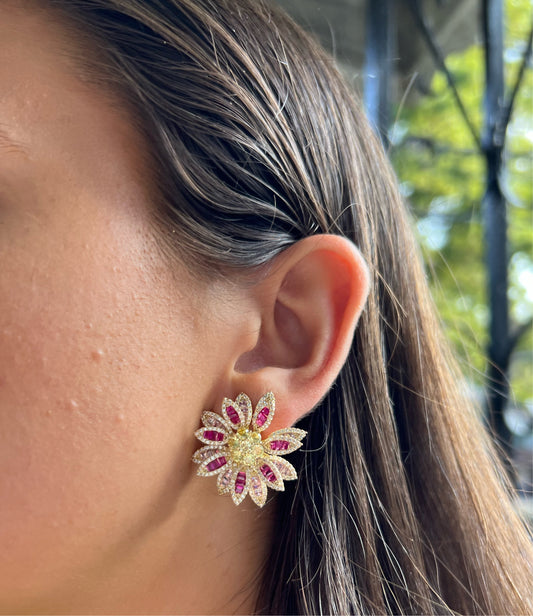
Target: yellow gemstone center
[245,447]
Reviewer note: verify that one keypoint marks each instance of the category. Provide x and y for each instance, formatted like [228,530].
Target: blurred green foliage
[442,175]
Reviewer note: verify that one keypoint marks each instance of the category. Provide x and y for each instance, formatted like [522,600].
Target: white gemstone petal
[285,468]
[212,420]
[258,489]
[205,453]
[224,480]
[244,404]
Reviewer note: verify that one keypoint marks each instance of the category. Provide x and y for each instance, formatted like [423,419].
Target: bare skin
[107,360]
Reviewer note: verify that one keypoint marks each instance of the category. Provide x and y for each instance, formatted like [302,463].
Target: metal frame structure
[498,108]
[380,48]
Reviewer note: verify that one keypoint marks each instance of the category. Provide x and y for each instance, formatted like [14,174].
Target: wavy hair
[255,142]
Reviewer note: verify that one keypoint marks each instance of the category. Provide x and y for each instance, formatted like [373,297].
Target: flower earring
[236,452]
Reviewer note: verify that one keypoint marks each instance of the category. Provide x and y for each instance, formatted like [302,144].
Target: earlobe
[309,306]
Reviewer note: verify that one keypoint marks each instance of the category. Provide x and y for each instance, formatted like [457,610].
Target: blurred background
[448,86]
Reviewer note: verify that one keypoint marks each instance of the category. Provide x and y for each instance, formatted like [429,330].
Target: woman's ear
[308,305]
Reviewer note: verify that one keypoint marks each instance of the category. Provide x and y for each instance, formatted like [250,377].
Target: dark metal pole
[495,225]
[379,45]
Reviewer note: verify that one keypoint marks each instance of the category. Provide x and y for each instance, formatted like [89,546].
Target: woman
[192,206]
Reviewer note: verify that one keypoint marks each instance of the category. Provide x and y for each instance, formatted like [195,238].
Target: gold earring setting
[236,452]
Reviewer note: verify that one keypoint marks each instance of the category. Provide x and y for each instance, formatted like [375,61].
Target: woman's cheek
[87,397]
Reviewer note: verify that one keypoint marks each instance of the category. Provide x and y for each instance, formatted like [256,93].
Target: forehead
[49,115]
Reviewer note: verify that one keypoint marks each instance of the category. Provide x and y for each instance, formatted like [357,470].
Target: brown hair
[255,143]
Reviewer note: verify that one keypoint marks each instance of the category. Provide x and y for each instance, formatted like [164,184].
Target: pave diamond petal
[211,436]
[270,473]
[285,468]
[264,412]
[212,420]
[232,414]
[240,487]
[258,490]
[244,404]
[213,465]
[283,442]
[224,480]
[206,453]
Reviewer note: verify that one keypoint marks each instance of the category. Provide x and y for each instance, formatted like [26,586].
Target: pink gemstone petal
[279,445]
[262,416]
[270,472]
[240,482]
[214,435]
[233,415]
[284,441]
[215,464]
[240,487]
[264,412]
[210,436]
[231,412]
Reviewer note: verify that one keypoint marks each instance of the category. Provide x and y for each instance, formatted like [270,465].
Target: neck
[204,557]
